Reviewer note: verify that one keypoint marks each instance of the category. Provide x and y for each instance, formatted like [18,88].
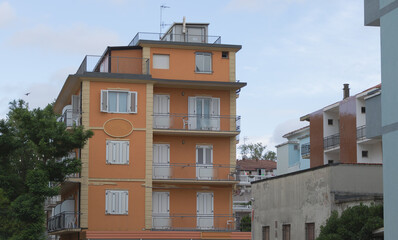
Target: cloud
[7,14]
[79,38]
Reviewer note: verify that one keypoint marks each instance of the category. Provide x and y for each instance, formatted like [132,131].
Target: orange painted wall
[182,66]
[126,61]
[99,221]
[186,154]
[348,131]
[316,138]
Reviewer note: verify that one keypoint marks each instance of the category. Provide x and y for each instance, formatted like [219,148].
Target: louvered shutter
[133,102]
[116,202]
[192,113]
[117,152]
[104,101]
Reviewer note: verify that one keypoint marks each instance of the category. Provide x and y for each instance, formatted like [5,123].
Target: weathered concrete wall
[308,197]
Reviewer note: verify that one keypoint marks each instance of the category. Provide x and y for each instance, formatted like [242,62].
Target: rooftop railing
[70,118]
[64,221]
[361,132]
[192,171]
[331,141]
[202,222]
[247,179]
[305,149]
[189,38]
[242,206]
[114,64]
[195,122]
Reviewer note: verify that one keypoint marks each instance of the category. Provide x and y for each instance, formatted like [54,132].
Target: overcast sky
[295,56]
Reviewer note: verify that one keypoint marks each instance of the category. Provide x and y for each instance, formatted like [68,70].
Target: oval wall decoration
[118,127]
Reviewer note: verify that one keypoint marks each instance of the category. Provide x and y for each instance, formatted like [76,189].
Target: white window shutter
[108,151]
[215,102]
[104,100]
[75,103]
[191,105]
[116,152]
[133,102]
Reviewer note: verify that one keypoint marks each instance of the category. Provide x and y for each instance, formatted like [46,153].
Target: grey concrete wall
[373,117]
[308,197]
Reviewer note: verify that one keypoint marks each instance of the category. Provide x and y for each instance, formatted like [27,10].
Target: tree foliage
[245,224]
[32,142]
[256,151]
[356,222]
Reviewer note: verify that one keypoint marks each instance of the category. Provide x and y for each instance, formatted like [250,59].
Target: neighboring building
[338,132]
[249,171]
[295,205]
[294,154]
[384,13]
[161,163]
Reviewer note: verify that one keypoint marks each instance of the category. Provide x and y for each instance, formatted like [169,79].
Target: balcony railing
[70,118]
[114,64]
[195,122]
[64,221]
[175,38]
[305,149]
[192,171]
[242,206]
[247,179]
[331,141]
[194,222]
[52,201]
[361,132]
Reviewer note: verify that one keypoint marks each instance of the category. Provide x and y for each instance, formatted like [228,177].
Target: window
[265,232]
[363,109]
[364,154]
[116,202]
[161,61]
[330,161]
[330,121]
[203,62]
[310,231]
[224,54]
[117,152]
[118,101]
[286,232]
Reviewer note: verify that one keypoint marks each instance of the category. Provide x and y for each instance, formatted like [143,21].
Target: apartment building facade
[338,132]
[294,154]
[161,163]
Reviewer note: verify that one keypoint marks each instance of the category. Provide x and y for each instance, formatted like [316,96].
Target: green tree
[256,151]
[32,142]
[245,224]
[356,222]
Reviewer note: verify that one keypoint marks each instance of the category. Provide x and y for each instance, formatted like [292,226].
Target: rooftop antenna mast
[161,20]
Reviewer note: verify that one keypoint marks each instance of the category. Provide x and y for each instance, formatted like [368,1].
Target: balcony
[187,172]
[114,64]
[51,202]
[361,133]
[175,38]
[64,221]
[174,123]
[70,118]
[242,206]
[331,141]
[305,150]
[198,222]
[247,179]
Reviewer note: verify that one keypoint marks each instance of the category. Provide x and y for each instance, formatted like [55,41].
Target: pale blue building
[384,13]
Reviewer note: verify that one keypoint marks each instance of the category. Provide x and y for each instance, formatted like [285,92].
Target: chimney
[346,91]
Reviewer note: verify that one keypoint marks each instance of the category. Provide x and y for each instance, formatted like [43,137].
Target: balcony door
[205,210]
[204,162]
[204,113]
[161,111]
[161,161]
[160,210]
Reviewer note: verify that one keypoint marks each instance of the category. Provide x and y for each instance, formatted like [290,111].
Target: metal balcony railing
[195,122]
[192,171]
[114,64]
[331,141]
[242,206]
[202,222]
[52,201]
[247,179]
[175,38]
[361,132]
[63,221]
[70,118]
[305,149]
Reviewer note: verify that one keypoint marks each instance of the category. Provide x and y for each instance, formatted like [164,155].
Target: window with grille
[310,231]
[286,232]
[265,233]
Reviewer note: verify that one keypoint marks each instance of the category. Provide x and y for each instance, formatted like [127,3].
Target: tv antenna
[161,20]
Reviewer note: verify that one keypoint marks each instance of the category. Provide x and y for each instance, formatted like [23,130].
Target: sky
[295,56]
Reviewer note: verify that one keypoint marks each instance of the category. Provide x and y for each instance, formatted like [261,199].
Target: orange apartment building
[161,163]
